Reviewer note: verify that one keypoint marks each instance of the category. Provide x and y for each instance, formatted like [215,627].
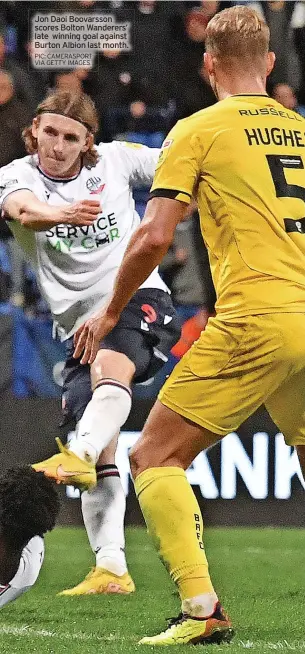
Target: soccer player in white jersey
[29,506]
[71,208]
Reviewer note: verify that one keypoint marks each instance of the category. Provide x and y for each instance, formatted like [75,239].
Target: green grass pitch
[258,573]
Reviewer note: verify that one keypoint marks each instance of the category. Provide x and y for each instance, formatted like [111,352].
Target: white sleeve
[9,594]
[137,162]
[29,568]
[15,176]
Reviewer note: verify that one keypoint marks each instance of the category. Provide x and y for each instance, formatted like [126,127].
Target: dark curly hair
[29,504]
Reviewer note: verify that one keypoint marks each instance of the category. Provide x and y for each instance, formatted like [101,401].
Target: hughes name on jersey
[244,161]
[76,266]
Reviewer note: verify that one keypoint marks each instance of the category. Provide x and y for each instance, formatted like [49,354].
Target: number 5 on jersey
[277,164]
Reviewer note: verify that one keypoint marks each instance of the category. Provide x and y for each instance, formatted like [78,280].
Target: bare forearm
[146,249]
[40,217]
[141,258]
[25,208]
[31,212]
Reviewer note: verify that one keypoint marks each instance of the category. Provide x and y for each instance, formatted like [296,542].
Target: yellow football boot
[186,630]
[100,581]
[67,468]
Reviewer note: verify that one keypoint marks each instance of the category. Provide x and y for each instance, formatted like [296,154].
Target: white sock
[105,414]
[103,512]
[200,606]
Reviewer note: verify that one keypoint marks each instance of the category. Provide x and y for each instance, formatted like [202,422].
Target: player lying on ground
[73,214]
[244,160]
[29,506]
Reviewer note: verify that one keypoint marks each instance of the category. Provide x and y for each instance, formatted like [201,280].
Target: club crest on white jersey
[76,265]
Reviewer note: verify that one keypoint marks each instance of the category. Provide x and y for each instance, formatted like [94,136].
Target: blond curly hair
[78,106]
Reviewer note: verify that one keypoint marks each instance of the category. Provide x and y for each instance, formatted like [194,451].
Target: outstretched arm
[146,249]
[176,176]
[24,207]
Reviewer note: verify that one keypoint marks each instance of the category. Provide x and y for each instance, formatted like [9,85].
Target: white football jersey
[76,266]
[29,567]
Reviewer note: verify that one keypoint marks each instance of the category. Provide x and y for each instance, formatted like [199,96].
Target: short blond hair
[237,33]
[78,106]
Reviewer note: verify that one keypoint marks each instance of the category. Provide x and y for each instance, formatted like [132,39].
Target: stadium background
[253,478]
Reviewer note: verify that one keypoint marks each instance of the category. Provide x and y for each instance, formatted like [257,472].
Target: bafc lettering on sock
[198,531]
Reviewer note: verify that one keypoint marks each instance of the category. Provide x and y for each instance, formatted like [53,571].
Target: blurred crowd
[139,96]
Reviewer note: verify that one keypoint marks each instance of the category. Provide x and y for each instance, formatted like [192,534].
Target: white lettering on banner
[200,474]
[286,466]
[234,461]
[71,492]
[122,460]
[234,458]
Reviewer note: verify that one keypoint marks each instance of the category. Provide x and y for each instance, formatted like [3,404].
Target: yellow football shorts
[234,367]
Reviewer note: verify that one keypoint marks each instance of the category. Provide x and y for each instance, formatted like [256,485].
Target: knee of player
[138,459]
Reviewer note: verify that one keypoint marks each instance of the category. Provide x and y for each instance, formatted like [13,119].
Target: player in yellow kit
[243,159]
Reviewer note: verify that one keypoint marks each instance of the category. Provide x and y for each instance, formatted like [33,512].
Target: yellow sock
[174,522]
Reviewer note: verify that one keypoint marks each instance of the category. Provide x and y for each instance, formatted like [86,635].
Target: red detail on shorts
[151,315]
[191,330]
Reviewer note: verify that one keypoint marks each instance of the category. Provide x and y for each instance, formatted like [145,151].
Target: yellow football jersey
[243,160]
